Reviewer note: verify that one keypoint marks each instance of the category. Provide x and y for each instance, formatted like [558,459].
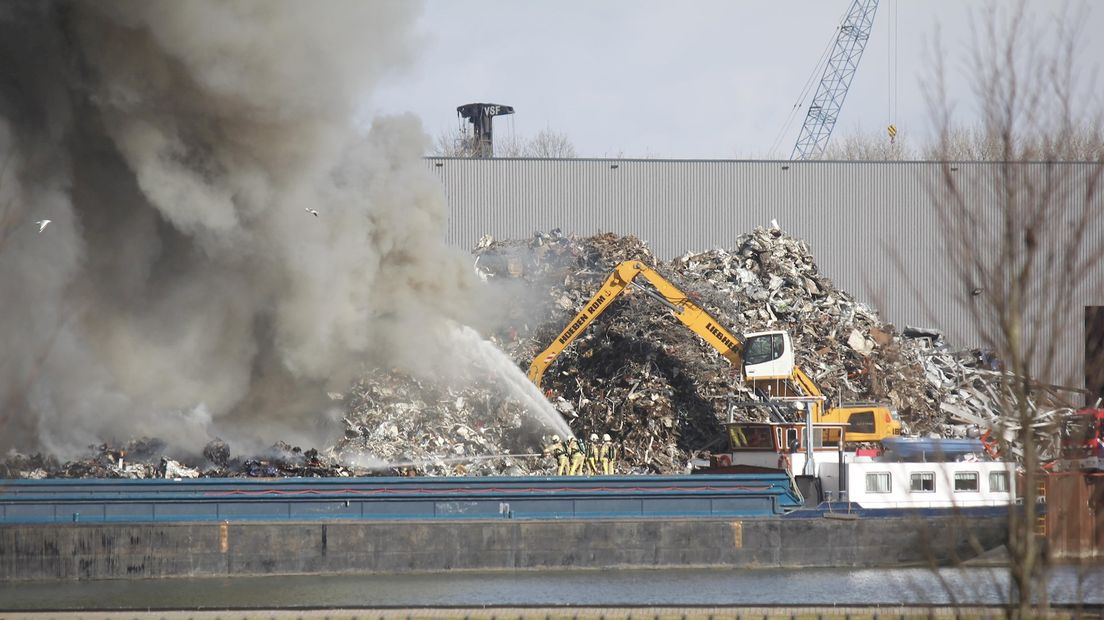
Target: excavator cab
[768,355]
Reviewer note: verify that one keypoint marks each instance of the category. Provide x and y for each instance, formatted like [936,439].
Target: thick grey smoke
[182,288]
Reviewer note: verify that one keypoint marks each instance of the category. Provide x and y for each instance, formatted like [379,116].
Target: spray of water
[484,355]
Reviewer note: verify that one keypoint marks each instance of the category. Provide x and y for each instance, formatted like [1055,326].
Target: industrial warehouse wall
[871,225]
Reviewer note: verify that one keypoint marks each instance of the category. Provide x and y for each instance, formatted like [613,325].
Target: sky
[694,79]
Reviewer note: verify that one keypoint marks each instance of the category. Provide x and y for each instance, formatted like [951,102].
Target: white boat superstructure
[902,473]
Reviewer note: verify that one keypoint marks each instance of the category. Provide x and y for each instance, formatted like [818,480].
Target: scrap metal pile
[396,423]
[658,389]
[148,458]
[635,373]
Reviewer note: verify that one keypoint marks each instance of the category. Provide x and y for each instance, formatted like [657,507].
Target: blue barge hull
[143,501]
[131,529]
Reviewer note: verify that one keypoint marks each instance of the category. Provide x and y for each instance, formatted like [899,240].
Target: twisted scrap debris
[636,373]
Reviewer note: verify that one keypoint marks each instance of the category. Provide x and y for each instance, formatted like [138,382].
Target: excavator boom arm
[806,383]
[614,285]
[691,315]
[760,374]
[697,319]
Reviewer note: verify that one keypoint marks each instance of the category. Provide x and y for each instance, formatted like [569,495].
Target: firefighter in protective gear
[557,451]
[605,455]
[576,456]
[592,455]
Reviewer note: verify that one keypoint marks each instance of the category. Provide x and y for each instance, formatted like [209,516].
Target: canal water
[721,587]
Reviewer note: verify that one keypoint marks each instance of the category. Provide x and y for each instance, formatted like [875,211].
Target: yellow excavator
[765,359]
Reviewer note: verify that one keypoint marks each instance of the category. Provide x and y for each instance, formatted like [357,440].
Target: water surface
[560,587]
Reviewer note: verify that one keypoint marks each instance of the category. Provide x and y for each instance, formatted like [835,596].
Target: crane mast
[838,73]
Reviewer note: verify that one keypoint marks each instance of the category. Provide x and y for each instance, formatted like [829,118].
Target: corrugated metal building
[871,225]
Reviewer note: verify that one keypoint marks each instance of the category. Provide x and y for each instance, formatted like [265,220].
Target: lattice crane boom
[838,73]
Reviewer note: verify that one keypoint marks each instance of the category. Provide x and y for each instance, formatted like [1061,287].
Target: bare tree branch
[547,144]
[1017,231]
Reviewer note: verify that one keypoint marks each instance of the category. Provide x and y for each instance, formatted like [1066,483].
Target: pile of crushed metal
[663,393]
[147,458]
[636,373]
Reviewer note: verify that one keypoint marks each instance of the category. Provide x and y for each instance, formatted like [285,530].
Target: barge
[749,512]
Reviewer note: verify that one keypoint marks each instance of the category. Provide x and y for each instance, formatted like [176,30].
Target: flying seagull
[311,211]
[42,224]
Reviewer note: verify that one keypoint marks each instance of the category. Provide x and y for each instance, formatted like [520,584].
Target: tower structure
[838,73]
[481,116]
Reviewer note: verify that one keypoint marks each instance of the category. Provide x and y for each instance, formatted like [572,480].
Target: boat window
[923,482]
[966,481]
[750,437]
[998,481]
[878,483]
[763,348]
[861,422]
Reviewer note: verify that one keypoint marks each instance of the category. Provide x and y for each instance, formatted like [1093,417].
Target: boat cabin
[901,473]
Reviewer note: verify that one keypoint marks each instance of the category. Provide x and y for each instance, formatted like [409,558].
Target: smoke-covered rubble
[397,422]
[635,373]
[186,288]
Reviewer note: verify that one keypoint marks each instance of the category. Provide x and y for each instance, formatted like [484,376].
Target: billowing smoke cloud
[183,287]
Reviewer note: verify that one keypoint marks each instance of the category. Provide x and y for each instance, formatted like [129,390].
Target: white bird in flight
[311,211]
[42,224]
